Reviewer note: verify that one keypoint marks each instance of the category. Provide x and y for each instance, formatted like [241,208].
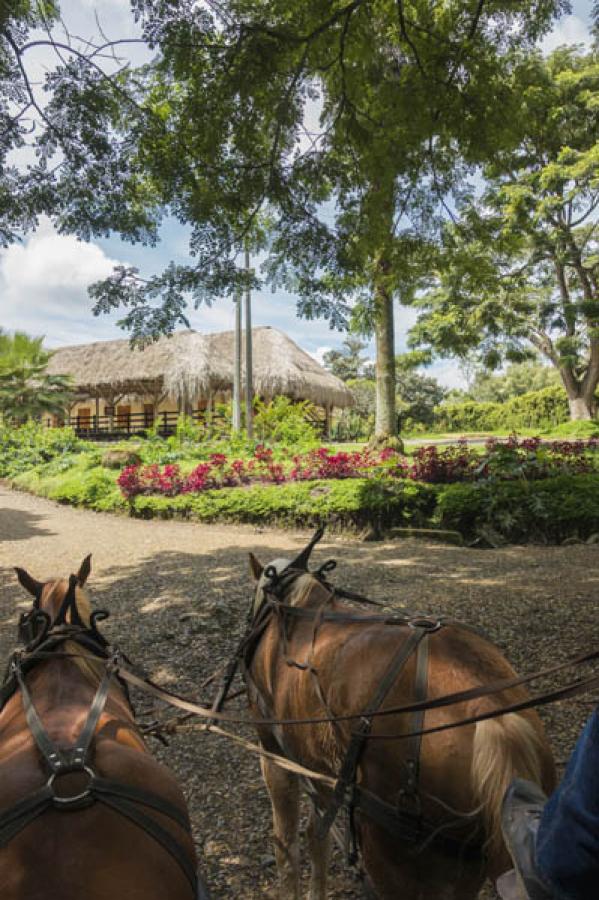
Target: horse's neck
[57,684]
[308,592]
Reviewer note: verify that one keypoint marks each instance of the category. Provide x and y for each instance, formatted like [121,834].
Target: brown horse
[82,815]
[315,656]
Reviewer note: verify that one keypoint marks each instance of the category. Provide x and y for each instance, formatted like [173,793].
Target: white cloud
[319,354]
[447,373]
[569,30]
[44,287]
[43,291]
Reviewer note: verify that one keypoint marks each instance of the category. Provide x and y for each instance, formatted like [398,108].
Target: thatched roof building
[190,367]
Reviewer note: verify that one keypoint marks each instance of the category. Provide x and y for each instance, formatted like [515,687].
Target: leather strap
[413,829]
[411,772]
[345,783]
[108,787]
[17,817]
[153,828]
[56,759]
[51,754]
[79,754]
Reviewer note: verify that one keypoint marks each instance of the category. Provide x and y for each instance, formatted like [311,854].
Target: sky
[44,279]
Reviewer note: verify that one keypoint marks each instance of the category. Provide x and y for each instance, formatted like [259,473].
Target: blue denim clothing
[567,850]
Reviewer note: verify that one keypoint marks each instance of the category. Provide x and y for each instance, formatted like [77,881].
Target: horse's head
[56,602]
[265,575]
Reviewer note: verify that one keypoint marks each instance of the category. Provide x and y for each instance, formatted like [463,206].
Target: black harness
[404,818]
[45,640]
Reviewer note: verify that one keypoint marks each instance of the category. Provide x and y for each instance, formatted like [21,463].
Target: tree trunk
[580,408]
[386,415]
[581,394]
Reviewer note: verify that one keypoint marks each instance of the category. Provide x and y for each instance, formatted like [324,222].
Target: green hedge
[537,409]
[92,488]
[522,511]
[353,503]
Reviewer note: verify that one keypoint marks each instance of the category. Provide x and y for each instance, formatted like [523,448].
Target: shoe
[521,813]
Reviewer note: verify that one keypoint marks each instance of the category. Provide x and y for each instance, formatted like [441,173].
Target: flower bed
[220,472]
[528,459]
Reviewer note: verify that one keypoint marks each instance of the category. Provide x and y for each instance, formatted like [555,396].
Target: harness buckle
[425,623]
[83,798]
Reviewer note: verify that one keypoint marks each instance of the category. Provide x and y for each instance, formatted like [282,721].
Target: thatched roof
[189,365]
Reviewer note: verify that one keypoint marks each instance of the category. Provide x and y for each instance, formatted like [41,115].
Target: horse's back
[95,851]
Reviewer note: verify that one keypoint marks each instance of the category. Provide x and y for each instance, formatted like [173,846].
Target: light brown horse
[87,849]
[463,772]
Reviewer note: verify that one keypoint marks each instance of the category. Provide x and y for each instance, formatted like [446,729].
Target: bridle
[45,639]
[35,625]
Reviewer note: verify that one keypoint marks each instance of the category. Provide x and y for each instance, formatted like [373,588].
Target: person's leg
[568,839]
[555,843]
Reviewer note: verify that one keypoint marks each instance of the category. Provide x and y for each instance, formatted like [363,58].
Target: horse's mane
[302,589]
[92,669]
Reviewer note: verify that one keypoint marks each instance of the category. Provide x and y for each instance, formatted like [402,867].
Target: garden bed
[515,491]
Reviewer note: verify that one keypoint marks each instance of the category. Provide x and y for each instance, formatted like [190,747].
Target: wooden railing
[122,425]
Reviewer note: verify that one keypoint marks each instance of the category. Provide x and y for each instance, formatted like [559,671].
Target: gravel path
[179,592]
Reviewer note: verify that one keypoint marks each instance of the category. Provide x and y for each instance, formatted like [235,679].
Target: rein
[571,689]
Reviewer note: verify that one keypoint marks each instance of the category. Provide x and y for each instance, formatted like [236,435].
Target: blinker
[33,625]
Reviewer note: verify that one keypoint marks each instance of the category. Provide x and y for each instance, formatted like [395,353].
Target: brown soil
[179,594]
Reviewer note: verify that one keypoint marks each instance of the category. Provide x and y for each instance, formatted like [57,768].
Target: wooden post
[327,421]
[209,413]
[249,377]
[236,423]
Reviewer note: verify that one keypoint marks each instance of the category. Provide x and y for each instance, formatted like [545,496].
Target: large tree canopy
[333,134]
[519,272]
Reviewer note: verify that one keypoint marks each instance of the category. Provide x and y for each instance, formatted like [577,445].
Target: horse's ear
[29,583]
[302,559]
[84,570]
[256,567]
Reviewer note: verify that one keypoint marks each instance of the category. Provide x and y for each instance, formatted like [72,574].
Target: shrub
[467,416]
[538,409]
[31,445]
[220,472]
[441,466]
[92,488]
[342,504]
[521,511]
[283,421]
[321,463]
[579,429]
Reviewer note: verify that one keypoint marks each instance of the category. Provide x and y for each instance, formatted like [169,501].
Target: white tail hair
[504,748]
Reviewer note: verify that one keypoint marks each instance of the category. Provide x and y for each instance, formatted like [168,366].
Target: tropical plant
[19,347]
[284,421]
[26,391]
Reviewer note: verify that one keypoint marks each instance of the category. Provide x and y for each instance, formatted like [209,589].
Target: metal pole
[249,377]
[237,367]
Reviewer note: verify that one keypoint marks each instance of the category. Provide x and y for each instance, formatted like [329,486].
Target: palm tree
[26,391]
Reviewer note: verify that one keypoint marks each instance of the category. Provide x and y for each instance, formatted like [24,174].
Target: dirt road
[179,593]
